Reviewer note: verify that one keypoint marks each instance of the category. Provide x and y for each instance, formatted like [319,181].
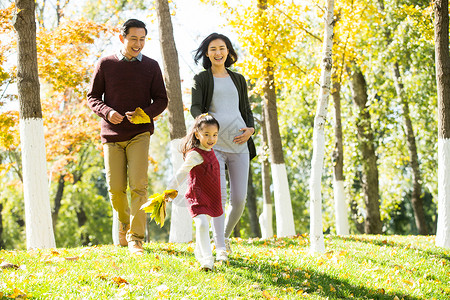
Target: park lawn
[353,267]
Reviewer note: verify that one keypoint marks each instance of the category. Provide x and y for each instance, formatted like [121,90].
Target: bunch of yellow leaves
[156,205]
[140,117]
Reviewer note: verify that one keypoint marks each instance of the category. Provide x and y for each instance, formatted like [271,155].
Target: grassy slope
[354,267]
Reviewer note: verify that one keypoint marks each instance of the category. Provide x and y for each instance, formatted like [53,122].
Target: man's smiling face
[133,42]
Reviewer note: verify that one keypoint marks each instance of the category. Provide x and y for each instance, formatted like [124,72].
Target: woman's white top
[225,108]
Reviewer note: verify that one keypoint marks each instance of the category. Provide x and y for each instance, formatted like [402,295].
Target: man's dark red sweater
[123,86]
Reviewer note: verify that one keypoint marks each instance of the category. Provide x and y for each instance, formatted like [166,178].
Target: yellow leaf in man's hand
[140,117]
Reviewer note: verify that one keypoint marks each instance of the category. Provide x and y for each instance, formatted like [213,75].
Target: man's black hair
[131,23]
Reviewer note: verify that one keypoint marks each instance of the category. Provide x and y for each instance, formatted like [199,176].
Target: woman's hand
[246,134]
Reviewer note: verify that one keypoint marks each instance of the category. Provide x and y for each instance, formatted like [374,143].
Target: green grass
[354,267]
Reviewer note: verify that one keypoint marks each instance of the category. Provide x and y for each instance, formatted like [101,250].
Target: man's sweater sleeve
[95,94]
[159,94]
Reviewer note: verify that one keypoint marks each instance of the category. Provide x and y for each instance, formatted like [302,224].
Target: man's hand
[114,117]
[246,134]
[129,114]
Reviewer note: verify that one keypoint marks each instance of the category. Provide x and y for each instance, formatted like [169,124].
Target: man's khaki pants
[122,159]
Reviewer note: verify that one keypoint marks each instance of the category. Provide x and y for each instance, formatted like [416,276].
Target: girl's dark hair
[200,53]
[191,141]
[125,28]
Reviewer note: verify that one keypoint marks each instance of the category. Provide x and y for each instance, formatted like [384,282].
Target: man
[121,83]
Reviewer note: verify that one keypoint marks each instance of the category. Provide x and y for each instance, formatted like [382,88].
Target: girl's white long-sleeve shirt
[192,159]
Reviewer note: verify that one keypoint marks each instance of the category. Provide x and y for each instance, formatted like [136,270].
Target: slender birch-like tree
[441,37]
[340,201]
[283,206]
[316,228]
[265,219]
[39,230]
[181,221]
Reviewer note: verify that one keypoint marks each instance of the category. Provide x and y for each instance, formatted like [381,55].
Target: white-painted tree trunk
[341,208]
[443,225]
[265,221]
[181,220]
[282,198]
[38,218]
[316,227]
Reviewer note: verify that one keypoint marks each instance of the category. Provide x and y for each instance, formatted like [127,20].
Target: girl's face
[217,52]
[207,135]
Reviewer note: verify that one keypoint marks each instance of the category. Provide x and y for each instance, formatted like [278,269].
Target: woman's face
[217,52]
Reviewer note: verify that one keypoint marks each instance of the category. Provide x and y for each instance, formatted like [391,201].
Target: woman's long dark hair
[200,53]
[191,141]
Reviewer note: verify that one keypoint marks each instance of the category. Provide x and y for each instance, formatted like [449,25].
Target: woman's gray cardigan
[202,93]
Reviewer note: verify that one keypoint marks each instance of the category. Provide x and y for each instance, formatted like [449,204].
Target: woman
[223,94]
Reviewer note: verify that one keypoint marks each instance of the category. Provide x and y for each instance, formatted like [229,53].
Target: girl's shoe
[221,255]
[207,267]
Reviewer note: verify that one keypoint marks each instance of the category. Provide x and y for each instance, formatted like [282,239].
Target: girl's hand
[246,134]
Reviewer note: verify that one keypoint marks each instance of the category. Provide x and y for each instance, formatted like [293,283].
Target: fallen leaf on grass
[267,295]
[72,258]
[7,265]
[162,290]
[119,281]
[102,276]
[408,282]
[18,294]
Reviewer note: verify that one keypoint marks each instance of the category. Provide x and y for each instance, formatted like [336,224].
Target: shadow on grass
[310,281]
[267,277]
[390,243]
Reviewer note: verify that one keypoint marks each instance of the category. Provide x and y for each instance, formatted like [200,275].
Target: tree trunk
[370,186]
[316,228]
[251,205]
[416,198]
[441,39]
[340,202]
[2,243]
[57,201]
[181,221]
[39,230]
[265,219]
[82,219]
[283,206]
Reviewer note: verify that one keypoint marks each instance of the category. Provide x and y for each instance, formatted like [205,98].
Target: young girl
[202,170]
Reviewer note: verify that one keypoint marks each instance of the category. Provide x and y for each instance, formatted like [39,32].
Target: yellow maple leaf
[156,206]
[140,117]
